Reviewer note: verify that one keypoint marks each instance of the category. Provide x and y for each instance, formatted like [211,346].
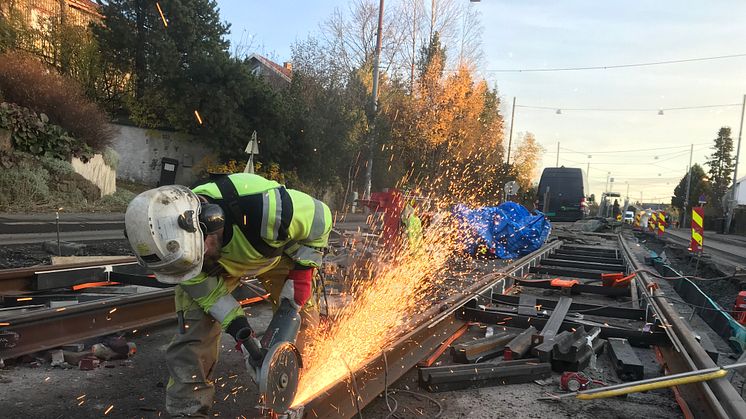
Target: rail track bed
[549,313]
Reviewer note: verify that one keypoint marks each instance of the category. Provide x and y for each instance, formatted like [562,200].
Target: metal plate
[278,377]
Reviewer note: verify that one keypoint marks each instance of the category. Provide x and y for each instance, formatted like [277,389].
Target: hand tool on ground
[576,381]
[649,384]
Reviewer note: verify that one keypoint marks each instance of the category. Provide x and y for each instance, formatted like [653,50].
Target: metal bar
[583,265]
[45,329]
[571,273]
[19,280]
[453,377]
[586,253]
[589,309]
[579,288]
[720,396]
[638,337]
[552,326]
[582,258]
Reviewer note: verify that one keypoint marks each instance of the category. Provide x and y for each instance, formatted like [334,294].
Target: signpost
[511,189]
[252,148]
[698,230]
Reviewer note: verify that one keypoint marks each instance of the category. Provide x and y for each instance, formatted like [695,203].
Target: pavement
[728,250]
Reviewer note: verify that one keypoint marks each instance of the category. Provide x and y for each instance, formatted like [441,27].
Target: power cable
[609,67]
[629,150]
[680,108]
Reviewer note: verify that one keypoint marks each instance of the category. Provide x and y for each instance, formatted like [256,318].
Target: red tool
[739,309]
[577,381]
[617,280]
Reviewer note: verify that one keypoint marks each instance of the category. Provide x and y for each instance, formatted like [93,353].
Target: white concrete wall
[741,191]
[98,173]
[140,152]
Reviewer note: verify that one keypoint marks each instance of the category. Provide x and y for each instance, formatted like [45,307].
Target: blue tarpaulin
[506,231]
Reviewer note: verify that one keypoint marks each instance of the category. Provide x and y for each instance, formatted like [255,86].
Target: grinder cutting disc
[278,377]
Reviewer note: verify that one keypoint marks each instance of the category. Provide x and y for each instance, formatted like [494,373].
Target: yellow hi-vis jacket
[264,220]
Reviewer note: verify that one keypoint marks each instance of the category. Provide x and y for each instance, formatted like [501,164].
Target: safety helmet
[166,226]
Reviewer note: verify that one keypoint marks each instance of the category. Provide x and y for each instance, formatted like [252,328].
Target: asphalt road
[729,250]
[36,228]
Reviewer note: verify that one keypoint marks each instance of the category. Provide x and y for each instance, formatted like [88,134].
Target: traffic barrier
[661,223]
[698,230]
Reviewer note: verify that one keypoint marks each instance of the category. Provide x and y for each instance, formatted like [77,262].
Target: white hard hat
[162,226]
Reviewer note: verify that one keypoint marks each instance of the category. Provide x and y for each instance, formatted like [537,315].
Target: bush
[111,157]
[34,134]
[29,83]
[23,187]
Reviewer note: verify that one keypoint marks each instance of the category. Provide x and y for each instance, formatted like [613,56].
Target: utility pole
[510,136]
[732,204]
[688,185]
[376,59]
[608,175]
[557,163]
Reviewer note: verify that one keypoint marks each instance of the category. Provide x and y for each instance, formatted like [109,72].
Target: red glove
[301,285]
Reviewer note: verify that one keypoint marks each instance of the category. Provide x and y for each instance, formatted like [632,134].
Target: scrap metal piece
[481,349]
[627,365]
[520,345]
[555,321]
[459,377]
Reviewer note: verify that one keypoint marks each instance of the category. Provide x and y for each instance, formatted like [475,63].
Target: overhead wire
[592,109]
[615,66]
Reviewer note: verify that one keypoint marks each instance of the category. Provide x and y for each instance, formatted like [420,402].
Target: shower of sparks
[163,18]
[386,303]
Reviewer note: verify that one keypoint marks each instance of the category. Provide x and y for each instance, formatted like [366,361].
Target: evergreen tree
[697,188]
[721,167]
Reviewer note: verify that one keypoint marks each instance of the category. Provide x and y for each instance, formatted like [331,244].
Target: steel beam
[589,309]
[45,329]
[579,288]
[511,319]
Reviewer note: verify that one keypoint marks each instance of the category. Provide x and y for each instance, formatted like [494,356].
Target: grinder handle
[254,351]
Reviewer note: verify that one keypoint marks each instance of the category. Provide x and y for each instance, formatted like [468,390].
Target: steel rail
[714,399]
[20,280]
[367,382]
[46,329]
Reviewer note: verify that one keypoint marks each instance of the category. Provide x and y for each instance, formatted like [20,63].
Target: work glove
[297,288]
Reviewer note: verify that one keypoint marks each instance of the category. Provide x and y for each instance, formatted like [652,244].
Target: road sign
[511,188]
[702,199]
[698,230]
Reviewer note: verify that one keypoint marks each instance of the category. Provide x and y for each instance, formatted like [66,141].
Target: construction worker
[411,226]
[204,240]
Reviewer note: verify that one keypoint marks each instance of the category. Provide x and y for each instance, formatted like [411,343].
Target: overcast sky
[529,34]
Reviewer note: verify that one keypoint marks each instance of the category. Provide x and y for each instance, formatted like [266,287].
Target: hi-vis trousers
[193,353]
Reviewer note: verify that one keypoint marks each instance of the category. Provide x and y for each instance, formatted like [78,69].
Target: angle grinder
[278,359]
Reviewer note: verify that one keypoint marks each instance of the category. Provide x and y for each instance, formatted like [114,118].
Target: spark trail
[381,310]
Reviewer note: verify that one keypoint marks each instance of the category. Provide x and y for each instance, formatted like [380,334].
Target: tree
[527,160]
[697,188]
[721,167]
[172,67]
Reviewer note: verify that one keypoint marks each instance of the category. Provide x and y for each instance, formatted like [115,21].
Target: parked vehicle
[629,217]
[562,194]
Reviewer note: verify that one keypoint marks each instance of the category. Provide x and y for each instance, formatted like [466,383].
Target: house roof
[87,6]
[285,73]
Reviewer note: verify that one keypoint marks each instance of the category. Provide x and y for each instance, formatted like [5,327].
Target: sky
[530,34]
